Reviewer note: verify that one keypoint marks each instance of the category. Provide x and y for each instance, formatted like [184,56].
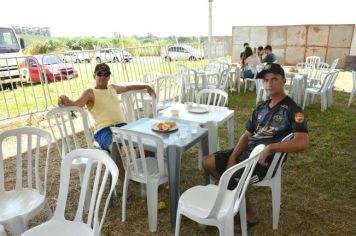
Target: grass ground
[318,186]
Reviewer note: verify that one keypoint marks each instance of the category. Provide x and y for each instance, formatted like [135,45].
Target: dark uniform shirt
[270,125]
[267,125]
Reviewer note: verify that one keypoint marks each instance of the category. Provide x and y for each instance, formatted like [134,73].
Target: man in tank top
[104,106]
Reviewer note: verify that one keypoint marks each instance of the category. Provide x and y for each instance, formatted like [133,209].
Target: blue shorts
[248,74]
[104,136]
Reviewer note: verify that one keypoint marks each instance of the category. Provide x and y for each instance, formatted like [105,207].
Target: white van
[10,49]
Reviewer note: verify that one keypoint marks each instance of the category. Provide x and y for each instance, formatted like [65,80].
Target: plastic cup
[194,127]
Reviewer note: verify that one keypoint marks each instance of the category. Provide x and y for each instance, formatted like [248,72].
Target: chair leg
[178,220]
[226,226]
[124,197]
[152,198]
[276,200]
[351,97]
[2,231]
[243,218]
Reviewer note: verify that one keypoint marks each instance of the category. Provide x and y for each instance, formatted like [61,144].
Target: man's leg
[119,164]
[251,211]
[209,166]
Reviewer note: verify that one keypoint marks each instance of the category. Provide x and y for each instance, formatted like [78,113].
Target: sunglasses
[105,74]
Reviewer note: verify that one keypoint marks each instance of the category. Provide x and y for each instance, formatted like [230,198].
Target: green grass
[318,186]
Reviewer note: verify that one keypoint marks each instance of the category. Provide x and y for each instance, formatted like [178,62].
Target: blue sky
[168,17]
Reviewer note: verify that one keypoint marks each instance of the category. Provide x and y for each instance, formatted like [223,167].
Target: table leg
[230,131]
[174,155]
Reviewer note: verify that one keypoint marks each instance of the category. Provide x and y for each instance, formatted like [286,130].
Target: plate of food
[165,127]
[198,109]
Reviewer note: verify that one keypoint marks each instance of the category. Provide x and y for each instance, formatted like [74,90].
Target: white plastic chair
[213,97]
[168,91]
[145,170]
[212,73]
[216,204]
[273,180]
[65,124]
[189,82]
[99,163]
[26,199]
[136,105]
[224,80]
[353,91]
[253,80]
[320,90]
[312,60]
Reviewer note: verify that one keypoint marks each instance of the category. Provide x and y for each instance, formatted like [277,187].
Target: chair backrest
[333,80]
[278,160]
[238,192]
[133,154]
[169,89]
[326,81]
[66,123]
[136,105]
[214,97]
[98,164]
[224,79]
[334,64]
[213,67]
[150,78]
[312,60]
[321,65]
[28,141]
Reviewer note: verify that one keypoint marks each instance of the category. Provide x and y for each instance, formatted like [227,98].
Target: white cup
[194,127]
[183,132]
[175,112]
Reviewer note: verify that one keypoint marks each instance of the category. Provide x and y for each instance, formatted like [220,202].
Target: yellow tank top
[107,109]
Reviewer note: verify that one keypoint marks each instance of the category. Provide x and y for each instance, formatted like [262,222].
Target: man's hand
[263,156]
[150,91]
[63,100]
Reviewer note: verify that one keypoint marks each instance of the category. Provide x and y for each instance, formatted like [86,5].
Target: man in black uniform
[271,121]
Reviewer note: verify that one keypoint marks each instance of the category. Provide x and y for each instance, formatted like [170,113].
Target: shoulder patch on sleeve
[299,117]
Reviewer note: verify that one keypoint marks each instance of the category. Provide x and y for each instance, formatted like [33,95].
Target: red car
[46,67]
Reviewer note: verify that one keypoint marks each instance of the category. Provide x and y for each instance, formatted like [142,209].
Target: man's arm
[122,89]
[239,148]
[299,143]
[83,100]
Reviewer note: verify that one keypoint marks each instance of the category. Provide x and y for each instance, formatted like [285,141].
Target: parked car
[181,52]
[76,56]
[112,55]
[46,68]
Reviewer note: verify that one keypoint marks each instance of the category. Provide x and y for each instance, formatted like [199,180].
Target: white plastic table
[216,117]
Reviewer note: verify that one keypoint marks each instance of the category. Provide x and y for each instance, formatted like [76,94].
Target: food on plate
[293,70]
[165,126]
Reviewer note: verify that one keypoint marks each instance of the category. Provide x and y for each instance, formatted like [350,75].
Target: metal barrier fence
[33,83]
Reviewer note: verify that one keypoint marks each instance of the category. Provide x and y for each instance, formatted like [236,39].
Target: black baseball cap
[102,67]
[271,68]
